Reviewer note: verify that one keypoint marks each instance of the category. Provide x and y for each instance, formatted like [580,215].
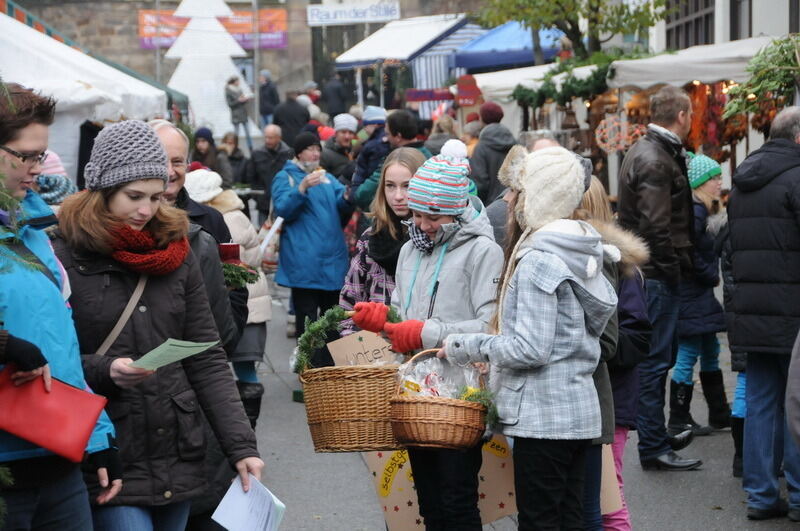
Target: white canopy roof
[400,40]
[498,86]
[83,87]
[707,64]
[582,72]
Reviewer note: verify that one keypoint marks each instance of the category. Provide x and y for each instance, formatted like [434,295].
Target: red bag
[60,421]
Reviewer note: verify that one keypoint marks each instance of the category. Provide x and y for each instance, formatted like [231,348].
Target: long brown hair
[513,233]
[87,224]
[595,204]
[712,203]
[384,217]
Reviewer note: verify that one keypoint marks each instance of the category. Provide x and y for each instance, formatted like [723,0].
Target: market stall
[85,88]
[421,44]
[507,46]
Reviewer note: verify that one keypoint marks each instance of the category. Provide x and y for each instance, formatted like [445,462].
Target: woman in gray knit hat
[116,238]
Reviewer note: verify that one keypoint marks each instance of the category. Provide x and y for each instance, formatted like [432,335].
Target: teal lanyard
[416,272]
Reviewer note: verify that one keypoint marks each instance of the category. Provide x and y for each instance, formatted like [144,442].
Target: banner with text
[161,28]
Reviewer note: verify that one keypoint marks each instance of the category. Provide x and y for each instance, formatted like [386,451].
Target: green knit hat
[701,169]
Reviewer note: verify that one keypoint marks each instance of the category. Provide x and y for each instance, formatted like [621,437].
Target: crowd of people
[576,308]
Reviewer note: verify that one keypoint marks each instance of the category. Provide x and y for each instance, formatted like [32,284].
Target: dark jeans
[662,309]
[446,482]
[62,505]
[549,476]
[312,303]
[592,517]
[767,442]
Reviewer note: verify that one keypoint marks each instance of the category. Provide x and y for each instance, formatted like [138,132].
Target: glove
[108,459]
[370,316]
[23,354]
[405,336]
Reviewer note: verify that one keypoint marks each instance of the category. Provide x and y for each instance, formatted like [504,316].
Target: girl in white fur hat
[554,304]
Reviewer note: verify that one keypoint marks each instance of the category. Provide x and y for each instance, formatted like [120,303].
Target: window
[741,19]
[794,16]
[690,22]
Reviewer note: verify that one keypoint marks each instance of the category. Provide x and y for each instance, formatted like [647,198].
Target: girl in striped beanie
[446,282]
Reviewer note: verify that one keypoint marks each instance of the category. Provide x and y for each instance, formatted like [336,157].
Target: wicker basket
[436,422]
[348,407]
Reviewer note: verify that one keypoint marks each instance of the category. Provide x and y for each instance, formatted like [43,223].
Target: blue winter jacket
[33,308]
[700,311]
[313,253]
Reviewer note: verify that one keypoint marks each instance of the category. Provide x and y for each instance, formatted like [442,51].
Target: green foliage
[572,87]
[238,276]
[483,397]
[774,73]
[316,334]
[604,18]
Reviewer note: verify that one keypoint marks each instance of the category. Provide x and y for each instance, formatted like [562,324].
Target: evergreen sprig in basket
[436,422]
[347,407]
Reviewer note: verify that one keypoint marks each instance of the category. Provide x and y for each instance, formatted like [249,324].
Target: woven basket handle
[427,354]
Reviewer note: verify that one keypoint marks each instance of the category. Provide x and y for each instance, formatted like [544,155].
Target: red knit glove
[370,316]
[405,336]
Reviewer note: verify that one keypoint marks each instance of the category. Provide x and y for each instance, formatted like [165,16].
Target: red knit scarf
[136,250]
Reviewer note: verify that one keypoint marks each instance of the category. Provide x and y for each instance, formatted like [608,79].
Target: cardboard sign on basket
[363,348]
[391,470]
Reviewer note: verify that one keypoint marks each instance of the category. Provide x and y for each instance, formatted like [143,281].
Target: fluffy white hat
[552,185]
[345,122]
[203,185]
[512,168]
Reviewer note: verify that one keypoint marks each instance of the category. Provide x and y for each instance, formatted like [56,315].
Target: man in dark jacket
[334,95]
[337,152]
[494,142]
[268,98]
[176,145]
[401,131]
[764,222]
[655,202]
[291,117]
[265,162]
[374,149]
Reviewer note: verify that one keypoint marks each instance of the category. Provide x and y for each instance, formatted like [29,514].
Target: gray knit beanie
[125,152]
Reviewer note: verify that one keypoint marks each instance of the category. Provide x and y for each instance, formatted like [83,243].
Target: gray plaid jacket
[543,361]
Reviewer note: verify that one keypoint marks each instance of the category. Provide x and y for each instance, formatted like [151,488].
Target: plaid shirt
[366,281]
[549,347]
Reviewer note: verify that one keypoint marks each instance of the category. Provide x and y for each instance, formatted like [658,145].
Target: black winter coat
[291,117]
[764,221]
[655,202]
[722,247]
[700,311]
[335,97]
[158,422]
[263,165]
[371,156]
[268,98]
[336,160]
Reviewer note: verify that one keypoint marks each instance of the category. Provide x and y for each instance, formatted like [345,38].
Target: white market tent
[83,87]
[498,86]
[708,64]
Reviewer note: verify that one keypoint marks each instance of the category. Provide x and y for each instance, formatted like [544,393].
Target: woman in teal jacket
[313,257]
[35,316]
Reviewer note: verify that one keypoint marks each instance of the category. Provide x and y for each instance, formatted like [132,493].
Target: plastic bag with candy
[436,377]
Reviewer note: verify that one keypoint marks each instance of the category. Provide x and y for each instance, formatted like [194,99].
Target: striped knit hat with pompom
[440,186]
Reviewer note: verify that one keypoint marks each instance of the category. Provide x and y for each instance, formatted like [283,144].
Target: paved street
[333,492]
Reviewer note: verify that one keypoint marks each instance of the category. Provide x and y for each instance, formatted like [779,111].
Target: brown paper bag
[363,348]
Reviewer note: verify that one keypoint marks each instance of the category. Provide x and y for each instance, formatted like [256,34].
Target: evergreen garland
[238,276]
[316,334]
[483,397]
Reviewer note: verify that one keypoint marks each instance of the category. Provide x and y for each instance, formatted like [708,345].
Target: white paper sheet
[256,510]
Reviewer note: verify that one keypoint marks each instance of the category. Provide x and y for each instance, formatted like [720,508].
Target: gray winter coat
[493,145]
[238,108]
[469,265]
[555,308]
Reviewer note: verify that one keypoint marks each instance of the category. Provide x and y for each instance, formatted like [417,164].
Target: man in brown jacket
[655,202]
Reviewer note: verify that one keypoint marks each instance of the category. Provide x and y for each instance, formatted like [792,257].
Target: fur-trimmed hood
[633,250]
[226,202]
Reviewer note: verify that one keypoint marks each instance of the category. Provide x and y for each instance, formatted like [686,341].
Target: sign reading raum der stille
[355,13]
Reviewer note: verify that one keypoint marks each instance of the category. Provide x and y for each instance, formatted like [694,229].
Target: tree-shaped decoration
[205,49]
